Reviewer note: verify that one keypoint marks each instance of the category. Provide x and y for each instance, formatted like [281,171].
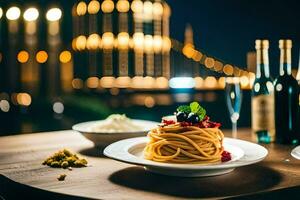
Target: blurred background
[64,62]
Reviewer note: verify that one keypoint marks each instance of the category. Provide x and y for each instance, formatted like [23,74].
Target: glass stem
[234,129]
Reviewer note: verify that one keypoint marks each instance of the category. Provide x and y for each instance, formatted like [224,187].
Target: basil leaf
[201,113]
[198,110]
[184,108]
[194,107]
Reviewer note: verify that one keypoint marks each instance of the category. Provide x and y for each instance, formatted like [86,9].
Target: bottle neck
[262,61]
[298,74]
[285,62]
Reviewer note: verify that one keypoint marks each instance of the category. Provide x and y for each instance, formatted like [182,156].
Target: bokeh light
[149,102]
[107,82]
[123,6]
[93,41]
[221,82]
[31,14]
[197,56]
[199,82]
[210,82]
[138,41]
[114,91]
[65,57]
[13,13]
[188,50]
[148,10]
[107,6]
[41,57]
[158,9]
[81,42]
[218,66]
[244,81]
[58,107]
[77,83]
[148,43]
[81,8]
[137,6]
[182,82]
[24,99]
[4,105]
[157,43]
[167,44]
[149,82]
[92,82]
[93,7]
[108,40]
[23,56]
[123,82]
[228,69]
[53,14]
[1,12]
[136,82]
[161,83]
[123,40]
[209,62]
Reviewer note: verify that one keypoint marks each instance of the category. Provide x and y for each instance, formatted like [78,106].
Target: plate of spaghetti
[187,144]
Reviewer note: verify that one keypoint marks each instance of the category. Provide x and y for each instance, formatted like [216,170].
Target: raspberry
[226,156]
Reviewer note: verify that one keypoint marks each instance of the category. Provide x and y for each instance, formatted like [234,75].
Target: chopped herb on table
[62,177]
[65,159]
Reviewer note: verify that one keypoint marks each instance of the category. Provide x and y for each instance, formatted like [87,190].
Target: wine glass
[234,100]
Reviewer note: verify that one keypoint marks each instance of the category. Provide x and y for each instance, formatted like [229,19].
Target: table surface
[21,157]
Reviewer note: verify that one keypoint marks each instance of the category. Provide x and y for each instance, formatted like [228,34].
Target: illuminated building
[131,38]
[112,44]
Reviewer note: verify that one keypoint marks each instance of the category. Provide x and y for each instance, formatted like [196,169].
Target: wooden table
[22,174]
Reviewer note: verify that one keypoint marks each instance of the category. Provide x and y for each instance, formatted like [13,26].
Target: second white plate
[131,151]
[102,138]
[296,152]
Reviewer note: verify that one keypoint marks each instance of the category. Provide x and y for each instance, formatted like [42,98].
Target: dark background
[228,29]
[224,29]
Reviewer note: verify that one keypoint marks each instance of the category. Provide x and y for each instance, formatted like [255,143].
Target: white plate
[296,152]
[131,151]
[102,139]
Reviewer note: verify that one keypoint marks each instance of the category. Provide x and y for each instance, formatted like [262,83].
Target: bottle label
[263,113]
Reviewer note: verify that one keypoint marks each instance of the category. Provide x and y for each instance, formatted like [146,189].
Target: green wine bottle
[286,98]
[263,127]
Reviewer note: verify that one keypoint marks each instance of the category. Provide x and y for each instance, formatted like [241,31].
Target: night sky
[228,29]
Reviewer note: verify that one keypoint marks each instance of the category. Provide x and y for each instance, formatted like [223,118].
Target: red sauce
[168,122]
[226,156]
[205,123]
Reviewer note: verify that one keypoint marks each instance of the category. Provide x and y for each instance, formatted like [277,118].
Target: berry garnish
[194,115]
[193,118]
[181,116]
[226,156]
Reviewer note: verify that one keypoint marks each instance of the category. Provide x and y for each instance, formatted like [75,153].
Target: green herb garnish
[184,108]
[194,107]
[198,110]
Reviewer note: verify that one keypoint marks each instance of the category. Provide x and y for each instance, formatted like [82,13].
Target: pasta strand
[177,144]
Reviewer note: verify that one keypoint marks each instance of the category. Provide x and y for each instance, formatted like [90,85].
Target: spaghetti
[175,143]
